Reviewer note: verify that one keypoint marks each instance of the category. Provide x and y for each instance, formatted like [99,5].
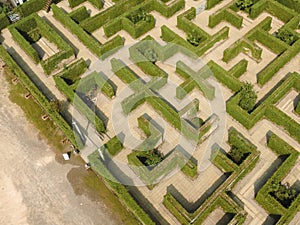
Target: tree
[153,157]
[286,36]
[236,154]
[244,4]
[194,38]
[151,55]
[247,97]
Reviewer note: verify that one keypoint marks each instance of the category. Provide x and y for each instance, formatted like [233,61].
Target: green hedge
[268,72]
[4,21]
[24,44]
[292,4]
[240,46]
[74,3]
[93,23]
[263,197]
[211,3]
[91,43]
[30,7]
[258,8]
[41,99]
[168,10]
[80,104]
[72,72]
[227,15]
[79,14]
[97,3]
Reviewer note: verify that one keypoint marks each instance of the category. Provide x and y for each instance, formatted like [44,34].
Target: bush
[286,36]
[248,97]
[244,4]
[113,146]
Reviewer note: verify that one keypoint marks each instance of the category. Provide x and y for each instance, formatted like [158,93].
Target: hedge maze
[156,90]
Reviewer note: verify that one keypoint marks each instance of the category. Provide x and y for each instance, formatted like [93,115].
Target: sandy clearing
[34,188]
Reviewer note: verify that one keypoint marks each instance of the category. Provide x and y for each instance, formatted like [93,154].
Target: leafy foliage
[194,38]
[283,193]
[151,157]
[244,4]
[286,36]
[247,97]
[139,15]
[151,55]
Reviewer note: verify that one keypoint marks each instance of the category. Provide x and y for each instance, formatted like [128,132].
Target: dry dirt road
[34,187]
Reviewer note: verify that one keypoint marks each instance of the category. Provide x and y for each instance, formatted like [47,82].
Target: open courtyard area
[185,111]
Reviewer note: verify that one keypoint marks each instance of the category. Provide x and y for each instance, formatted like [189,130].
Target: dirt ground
[36,187]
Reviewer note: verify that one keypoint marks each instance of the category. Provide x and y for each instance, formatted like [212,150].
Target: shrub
[114,146]
[286,36]
[248,97]
[244,4]
[30,7]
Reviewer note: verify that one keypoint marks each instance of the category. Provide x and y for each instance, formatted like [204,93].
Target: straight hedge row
[225,14]
[263,197]
[89,41]
[123,6]
[41,99]
[4,21]
[267,109]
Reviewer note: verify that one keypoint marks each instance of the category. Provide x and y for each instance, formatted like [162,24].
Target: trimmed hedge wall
[237,173]
[30,7]
[263,197]
[79,14]
[267,109]
[4,21]
[211,3]
[228,15]
[41,99]
[268,72]
[24,44]
[89,41]
[74,3]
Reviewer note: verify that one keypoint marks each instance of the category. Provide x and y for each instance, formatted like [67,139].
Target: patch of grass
[92,181]
[34,113]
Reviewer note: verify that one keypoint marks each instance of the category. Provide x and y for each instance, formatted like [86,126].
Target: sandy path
[34,188]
